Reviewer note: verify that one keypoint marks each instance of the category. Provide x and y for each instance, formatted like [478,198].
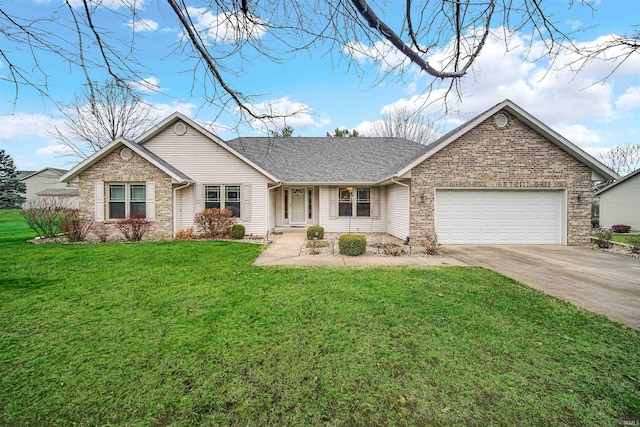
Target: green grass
[620,237]
[187,333]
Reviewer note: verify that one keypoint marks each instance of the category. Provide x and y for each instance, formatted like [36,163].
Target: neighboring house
[620,202]
[504,177]
[45,183]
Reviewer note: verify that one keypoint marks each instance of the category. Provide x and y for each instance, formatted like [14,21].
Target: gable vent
[500,120]
[180,128]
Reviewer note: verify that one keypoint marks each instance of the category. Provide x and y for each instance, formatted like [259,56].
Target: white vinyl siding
[398,211]
[621,204]
[206,162]
[358,224]
[500,216]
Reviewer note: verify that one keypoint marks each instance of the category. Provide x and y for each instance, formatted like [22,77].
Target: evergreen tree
[11,188]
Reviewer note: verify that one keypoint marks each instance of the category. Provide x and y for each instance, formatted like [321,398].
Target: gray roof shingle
[326,159]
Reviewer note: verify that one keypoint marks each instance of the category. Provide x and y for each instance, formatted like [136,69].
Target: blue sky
[592,113]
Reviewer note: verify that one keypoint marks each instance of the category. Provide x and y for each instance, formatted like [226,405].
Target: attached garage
[491,217]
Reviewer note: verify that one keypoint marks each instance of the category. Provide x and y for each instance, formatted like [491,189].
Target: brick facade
[113,169]
[513,157]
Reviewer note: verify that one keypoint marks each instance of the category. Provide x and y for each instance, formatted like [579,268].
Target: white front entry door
[298,206]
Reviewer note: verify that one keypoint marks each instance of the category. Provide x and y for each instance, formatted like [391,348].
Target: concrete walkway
[286,251]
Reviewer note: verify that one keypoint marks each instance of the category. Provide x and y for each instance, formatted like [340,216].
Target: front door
[298,214]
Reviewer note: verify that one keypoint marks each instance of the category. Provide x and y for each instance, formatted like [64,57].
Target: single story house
[45,183]
[503,177]
[620,202]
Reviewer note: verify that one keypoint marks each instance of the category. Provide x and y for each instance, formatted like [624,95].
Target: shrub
[237,231]
[603,238]
[312,244]
[595,223]
[185,234]
[134,227]
[430,244]
[43,216]
[215,222]
[352,244]
[100,231]
[391,249]
[620,228]
[634,244]
[74,225]
[311,232]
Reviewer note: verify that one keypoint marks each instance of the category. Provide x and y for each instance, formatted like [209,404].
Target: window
[286,204]
[232,199]
[219,196]
[354,199]
[127,200]
[345,204]
[310,207]
[211,196]
[363,202]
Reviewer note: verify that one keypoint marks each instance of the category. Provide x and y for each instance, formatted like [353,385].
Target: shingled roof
[329,160]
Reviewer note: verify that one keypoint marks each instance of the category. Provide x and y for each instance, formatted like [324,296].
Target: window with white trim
[354,202]
[227,196]
[126,200]
[211,196]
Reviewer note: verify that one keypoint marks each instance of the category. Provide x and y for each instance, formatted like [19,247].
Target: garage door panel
[499,216]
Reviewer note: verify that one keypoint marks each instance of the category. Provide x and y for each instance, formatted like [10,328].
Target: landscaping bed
[378,244]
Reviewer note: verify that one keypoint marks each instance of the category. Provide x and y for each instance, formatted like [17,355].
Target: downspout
[175,205]
[408,203]
[267,205]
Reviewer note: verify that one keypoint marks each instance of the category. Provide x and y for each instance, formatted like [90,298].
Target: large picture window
[223,196]
[126,200]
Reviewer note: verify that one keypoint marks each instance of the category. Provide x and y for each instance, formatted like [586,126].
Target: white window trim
[127,199]
[223,196]
[354,202]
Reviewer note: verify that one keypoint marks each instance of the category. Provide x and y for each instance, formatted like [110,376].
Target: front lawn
[187,333]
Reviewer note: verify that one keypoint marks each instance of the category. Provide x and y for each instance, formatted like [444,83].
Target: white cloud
[382,53]
[292,113]
[55,150]
[630,99]
[148,85]
[556,94]
[143,25]
[161,111]
[227,27]
[580,135]
[111,4]
[574,24]
[18,126]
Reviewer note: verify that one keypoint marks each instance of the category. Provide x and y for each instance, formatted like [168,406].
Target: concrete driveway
[605,283]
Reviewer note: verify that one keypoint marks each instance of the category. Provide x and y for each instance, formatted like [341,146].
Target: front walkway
[286,251]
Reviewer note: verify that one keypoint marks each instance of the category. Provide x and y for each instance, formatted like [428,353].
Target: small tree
[11,188]
[285,132]
[343,133]
[622,159]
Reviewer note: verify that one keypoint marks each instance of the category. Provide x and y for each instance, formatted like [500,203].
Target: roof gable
[621,180]
[329,160]
[174,173]
[25,175]
[175,117]
[539,127]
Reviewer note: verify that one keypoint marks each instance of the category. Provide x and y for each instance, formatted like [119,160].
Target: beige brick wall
[113,169]
[526,157]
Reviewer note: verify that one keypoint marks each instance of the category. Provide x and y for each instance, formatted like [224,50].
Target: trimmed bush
[603,238]
[74,225]
[352,244]
[311,232]
[620,228]
[595,223]
[215,222]
[134,227]
[237,231]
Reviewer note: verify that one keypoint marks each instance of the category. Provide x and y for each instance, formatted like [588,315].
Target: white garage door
[492,217]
